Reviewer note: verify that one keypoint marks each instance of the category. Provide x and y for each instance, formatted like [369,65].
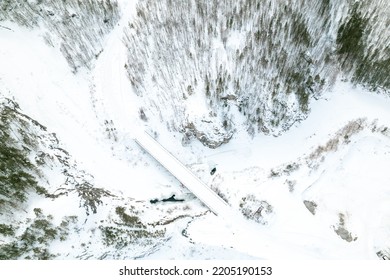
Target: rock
[211,137]
[311,206]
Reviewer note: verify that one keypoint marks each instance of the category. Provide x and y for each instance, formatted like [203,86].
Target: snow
[353,180]
[184,175]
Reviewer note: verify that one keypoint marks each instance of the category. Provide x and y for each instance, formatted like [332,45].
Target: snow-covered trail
[112,92]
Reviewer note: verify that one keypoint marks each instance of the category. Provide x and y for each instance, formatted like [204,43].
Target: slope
[336,159]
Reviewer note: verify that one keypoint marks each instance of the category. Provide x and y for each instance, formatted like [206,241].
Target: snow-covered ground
[95,116]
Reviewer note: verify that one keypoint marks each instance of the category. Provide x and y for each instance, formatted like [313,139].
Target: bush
[7,230]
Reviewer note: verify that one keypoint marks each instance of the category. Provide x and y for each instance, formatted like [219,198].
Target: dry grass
[342,136]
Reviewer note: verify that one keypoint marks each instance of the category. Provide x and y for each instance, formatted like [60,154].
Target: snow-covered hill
[208,60]
[74,184]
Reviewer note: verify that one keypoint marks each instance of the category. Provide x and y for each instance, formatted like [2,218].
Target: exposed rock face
[342,231]
[210,138]
[311,206]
